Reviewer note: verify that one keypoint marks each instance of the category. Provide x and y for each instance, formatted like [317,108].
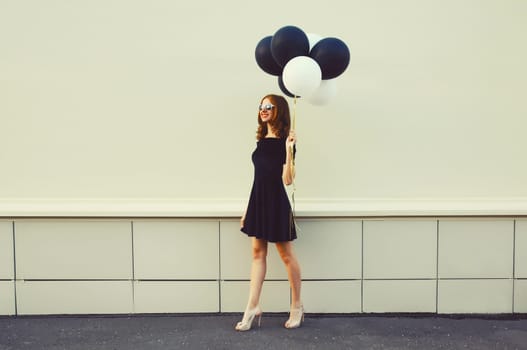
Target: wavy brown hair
[280,121]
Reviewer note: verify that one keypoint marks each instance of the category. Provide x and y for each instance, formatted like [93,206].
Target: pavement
[215,331]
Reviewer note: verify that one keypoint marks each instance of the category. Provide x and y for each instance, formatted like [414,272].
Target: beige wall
[157,99]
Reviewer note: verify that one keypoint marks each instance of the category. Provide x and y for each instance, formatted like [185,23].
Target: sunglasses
[266,107]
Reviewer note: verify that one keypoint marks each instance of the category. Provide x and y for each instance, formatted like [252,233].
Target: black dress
[269,215]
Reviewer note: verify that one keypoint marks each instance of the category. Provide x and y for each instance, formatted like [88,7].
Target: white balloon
[302,75]
[324,93]
[313,39]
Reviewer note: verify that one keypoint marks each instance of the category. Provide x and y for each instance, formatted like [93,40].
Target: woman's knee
[285,253]
[259,253]
[286,258]
[259,250]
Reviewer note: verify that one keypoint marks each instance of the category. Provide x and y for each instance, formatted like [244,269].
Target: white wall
[157,99]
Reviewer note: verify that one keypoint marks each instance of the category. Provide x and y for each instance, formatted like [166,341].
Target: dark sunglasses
[267,107]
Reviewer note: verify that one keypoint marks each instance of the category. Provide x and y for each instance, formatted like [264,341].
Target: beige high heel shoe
[296,317]
[248,318]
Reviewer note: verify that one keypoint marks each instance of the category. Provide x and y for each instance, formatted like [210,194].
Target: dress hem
[266,239]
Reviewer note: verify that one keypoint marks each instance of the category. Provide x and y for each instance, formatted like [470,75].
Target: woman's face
[266,110]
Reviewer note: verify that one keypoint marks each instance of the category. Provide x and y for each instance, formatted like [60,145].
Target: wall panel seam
[330,279]
[176,280]
[76,280]
[13,229]
[248,280]
[219,265]
[303,280]
[513,260]
[362,268]
[399,279]
[133,264]
[477,279]
[437,266]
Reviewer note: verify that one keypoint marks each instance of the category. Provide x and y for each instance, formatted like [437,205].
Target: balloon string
[293,146]
[292,150]
[294,113]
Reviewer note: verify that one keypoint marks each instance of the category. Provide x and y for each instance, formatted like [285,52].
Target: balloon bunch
[306,64]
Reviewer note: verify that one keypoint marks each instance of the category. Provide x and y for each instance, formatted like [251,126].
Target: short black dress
[269,215]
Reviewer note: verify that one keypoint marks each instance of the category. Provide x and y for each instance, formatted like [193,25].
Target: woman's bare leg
[285,249]
[258,270]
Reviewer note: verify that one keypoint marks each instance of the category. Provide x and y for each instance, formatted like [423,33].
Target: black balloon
[265,59]
[283,88]
[332,55]
[289,42]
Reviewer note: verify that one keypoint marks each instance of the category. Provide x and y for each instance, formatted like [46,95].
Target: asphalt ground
[217,332]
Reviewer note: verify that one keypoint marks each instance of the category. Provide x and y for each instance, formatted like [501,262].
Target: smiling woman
[269,217]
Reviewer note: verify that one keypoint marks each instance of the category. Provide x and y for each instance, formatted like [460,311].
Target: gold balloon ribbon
[292,150]
[294,113]
[292,154]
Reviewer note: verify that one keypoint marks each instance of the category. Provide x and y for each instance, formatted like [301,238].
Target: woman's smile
[265,116]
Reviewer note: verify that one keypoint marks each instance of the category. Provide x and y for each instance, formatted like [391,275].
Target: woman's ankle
[296,305]
[251,306]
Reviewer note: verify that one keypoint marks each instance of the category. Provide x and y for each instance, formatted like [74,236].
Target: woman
[269,217]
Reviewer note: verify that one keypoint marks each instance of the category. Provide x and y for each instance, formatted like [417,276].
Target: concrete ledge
[383,207]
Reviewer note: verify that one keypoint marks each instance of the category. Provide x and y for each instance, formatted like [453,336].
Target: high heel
[296,317]
[248,318]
